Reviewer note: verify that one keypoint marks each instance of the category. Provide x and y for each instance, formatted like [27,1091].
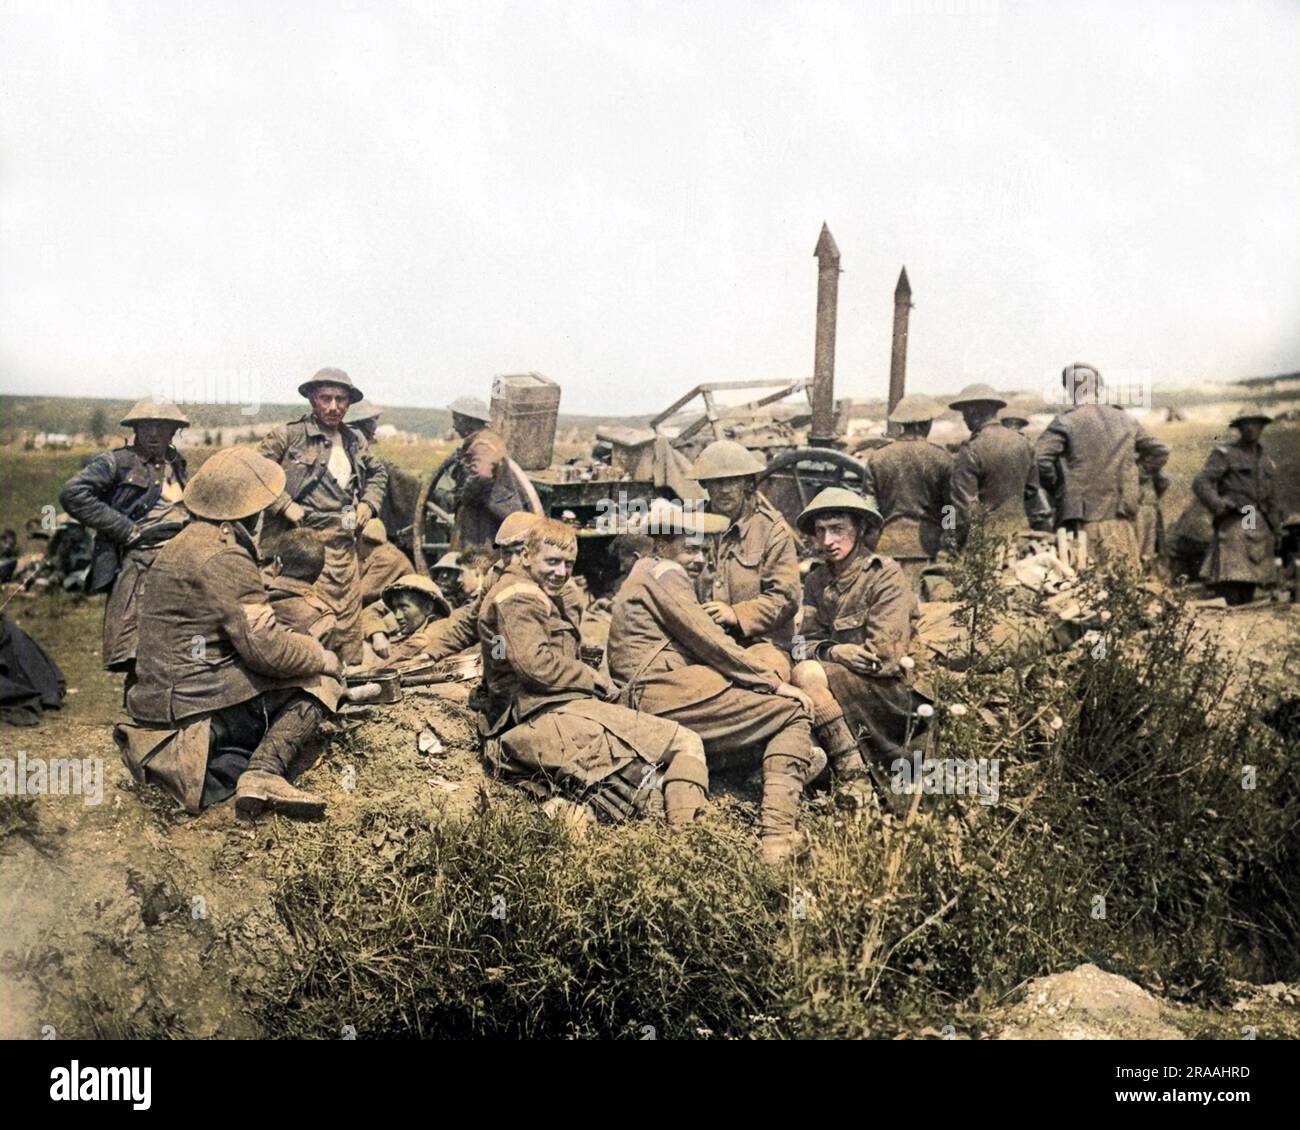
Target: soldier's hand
[789,690]
[364,514]
[856,658]
[294,513]
[379,641]
[722,614]
[333,666]
[605,688]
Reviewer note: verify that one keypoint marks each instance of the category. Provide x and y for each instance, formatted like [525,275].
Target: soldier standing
[1088,460]
[672,659]
[553,715]
[856,630]
[1238,486]
[131,498]
[217,675]
[488,484]
[910,480]
[994,469]
[333,484]
[750,586]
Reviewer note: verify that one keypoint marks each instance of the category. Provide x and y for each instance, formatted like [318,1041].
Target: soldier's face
[465,425]
[329,404]
[549,567]
[1250,430]
[834,538]
[449,581]
[727,496]
[409,611]
[153,437]
[681,550]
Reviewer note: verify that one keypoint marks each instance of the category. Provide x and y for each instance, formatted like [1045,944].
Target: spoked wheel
[794,478]
[434,516]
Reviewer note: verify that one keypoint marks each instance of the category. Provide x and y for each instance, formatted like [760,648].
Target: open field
[128,918]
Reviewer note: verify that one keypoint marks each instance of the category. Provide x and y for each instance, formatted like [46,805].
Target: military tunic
[911,481]
[304,450]
[754,567]
[488,488]
[869,604]
[1238,478]
[995,469]
[543,703]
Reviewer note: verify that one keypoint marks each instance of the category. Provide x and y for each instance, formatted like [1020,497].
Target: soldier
[363,417]
[380,560]
[334,484]
[217,675]
[131,498]
[1088,461]
[552,714]
[855,633]
[750,587]
[297,564]
[994,468]
[1238,486]
[417,604]
[674,661]
[910,479]
[489,485]
[1011,418]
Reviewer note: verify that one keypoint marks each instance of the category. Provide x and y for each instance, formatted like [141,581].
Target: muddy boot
[779,840]
[683,801]
[259,791]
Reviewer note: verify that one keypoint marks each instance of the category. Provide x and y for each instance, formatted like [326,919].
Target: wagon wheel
[844,470]
[433,519]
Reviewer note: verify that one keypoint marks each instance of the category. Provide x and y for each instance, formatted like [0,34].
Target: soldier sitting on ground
[218,676]
[855,633]
[418,605]
[381,561]
[1238,486]
[299,557]
[671,659]
[551,716]
[750,586]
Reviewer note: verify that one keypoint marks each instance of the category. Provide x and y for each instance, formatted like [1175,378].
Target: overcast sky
[626,196]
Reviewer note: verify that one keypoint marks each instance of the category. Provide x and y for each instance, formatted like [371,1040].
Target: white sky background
[626,196]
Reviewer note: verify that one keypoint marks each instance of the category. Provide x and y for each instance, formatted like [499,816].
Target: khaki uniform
[115,494]
[671,659]
[303,449]
[300,608]
[488,488]
[754,567]
[541,702]
[911,481]
[995,469]
[1236,476]
[1088,461]
[384,564]
[870,604]
[217,676]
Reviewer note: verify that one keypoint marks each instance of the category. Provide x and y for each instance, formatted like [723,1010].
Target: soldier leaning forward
[671,659]
[218,677]
[333,484]
[131,498]
[1238,485]
[553,715]
[750,586]
[856,629]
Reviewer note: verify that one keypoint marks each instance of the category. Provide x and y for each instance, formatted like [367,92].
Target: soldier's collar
[289,584]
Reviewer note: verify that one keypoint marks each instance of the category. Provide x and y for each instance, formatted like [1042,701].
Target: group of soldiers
[241,599]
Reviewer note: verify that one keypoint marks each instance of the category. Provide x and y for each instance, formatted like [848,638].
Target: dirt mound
[1087,1004]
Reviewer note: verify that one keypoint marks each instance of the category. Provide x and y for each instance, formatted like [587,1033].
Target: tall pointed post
[898,357]
[823,390]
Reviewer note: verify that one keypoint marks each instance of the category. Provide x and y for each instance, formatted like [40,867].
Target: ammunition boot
[259,791]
